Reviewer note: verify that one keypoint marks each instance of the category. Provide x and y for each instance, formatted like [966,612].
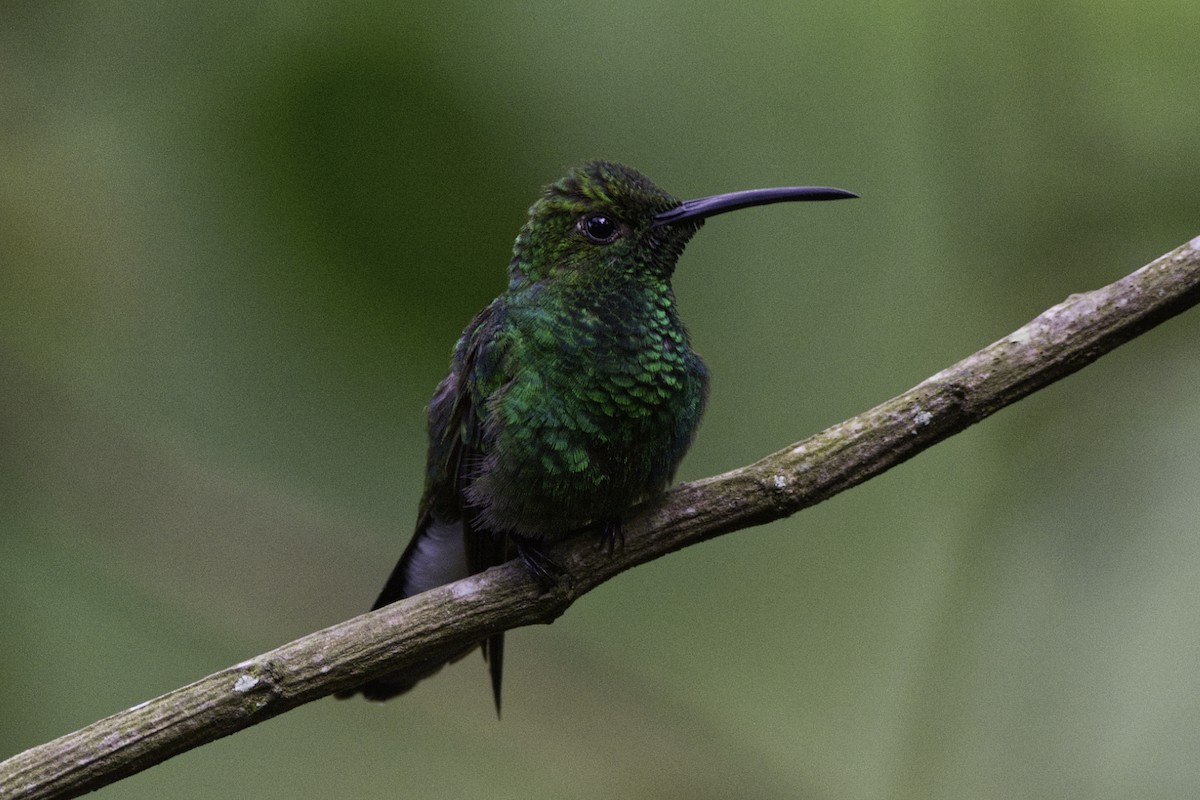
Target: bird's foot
[612,535]
[543,569]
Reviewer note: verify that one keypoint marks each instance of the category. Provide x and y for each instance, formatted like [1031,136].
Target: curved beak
[704,207]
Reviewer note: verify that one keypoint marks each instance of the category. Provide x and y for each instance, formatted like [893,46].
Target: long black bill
[703,207]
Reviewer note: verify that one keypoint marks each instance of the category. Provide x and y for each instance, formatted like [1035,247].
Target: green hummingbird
[571,398]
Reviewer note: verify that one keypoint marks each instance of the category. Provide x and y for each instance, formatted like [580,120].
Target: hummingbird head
[607,219]
[597,217]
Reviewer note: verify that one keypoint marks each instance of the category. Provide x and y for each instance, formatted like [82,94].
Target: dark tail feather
[493,654]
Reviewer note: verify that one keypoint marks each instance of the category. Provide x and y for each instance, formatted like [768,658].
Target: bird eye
[599,228]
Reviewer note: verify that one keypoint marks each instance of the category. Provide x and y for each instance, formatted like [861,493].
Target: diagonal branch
[1060,341]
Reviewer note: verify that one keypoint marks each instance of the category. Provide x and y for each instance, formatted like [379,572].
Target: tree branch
[1060,341]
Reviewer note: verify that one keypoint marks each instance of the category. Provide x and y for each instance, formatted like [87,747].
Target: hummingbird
[571,398]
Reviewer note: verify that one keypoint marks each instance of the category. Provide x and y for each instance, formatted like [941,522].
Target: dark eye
[599,228]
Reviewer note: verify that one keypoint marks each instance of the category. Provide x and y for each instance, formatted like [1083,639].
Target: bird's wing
[446,545]
[481,374]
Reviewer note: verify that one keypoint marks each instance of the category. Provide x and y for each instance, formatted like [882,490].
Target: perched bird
[572,397]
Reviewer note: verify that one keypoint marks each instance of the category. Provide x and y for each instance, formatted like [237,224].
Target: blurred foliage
[238,240]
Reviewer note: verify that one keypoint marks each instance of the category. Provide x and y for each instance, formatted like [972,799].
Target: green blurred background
[237,242]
